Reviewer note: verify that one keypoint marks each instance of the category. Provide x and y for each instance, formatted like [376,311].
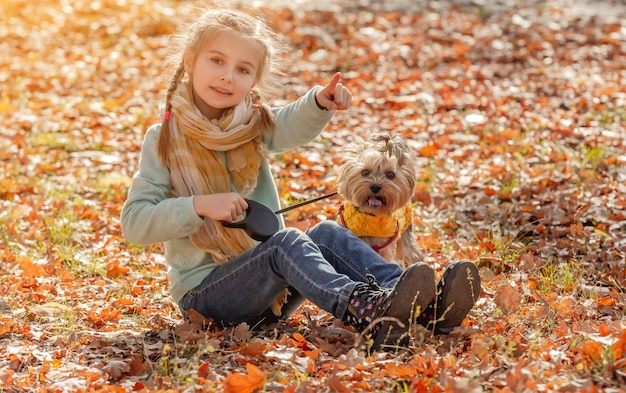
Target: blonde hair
[203,29]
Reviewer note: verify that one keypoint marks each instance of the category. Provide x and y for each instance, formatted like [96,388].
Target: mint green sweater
[153,214]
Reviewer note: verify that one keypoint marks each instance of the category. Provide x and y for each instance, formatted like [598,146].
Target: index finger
[333,83]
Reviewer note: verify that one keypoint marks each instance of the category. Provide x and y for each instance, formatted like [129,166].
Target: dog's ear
[399,147]
[351,153]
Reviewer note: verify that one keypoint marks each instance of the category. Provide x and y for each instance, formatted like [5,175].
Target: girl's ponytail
[266,117]
[165,135]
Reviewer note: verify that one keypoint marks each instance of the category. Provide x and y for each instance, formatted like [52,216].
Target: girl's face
[223,72]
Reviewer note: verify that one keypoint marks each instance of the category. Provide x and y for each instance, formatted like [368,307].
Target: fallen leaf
[244,383]
[508,298]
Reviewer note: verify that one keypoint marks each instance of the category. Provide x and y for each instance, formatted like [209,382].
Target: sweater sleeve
[297,123]
[151,214]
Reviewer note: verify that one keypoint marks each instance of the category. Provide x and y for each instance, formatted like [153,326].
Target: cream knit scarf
[197,169]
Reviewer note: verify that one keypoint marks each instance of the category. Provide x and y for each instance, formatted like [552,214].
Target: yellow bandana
[376,226]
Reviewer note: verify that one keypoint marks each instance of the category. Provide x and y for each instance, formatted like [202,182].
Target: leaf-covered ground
[519,119]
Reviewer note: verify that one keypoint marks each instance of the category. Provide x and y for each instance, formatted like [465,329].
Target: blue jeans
[322,265]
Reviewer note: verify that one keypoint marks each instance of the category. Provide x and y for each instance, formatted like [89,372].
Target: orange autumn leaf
[114,269]
[590,354]
[253,349]
[619,347]
[6,325]
[490,191]
[244,383]
[399,370]
[429,241]
[110,314]
[563,330]
[8,256]
[122,302]
[106,315]
[566,307]
[604,329]
[423,366]
[299,337]
[29,268]
[313,354]
[606,301]
[203,370]
[429,150]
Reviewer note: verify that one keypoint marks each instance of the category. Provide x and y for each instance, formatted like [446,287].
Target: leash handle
[297,205]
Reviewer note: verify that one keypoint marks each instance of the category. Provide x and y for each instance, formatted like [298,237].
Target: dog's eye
[365,172]
[390,175]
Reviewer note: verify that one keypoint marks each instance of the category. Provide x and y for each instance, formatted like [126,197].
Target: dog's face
[378,176]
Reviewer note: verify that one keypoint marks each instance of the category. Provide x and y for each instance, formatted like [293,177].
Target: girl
[209,156]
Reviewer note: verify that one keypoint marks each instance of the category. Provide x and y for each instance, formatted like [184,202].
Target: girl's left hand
[334,96]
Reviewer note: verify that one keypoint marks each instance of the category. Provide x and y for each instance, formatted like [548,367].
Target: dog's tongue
[374,203]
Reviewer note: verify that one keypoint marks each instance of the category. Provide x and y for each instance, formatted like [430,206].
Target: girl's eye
[365,172]
[390,175]
[244,70]
[216,60]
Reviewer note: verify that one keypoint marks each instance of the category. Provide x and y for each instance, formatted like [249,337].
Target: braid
[164,136]
[266,117]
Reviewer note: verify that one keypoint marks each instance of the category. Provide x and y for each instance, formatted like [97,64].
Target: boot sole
[460,291]
[412,294]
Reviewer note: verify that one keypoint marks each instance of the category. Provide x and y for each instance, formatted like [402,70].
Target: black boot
[457,292]
[410,296]
[368,302]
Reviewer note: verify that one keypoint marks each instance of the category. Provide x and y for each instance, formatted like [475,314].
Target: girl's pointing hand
[334,96]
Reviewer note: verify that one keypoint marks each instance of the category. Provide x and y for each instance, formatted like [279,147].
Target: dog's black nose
[375,188]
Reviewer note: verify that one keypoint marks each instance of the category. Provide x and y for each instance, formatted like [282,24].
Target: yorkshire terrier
[376,182]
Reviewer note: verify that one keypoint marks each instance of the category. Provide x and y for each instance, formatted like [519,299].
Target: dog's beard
[390,198]
[357,188]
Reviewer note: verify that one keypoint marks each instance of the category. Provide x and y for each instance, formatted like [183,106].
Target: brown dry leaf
[508,298]
[529,262]
[516,378]
[335,382]
[254,348]
[481,350]
[242,332]
[137,366]
[6,376]
[191,332]
[195,316]
[463,385]
[116,368]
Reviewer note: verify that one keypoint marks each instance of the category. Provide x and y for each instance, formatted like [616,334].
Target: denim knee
[290,234]
[324,228]
[287,237]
